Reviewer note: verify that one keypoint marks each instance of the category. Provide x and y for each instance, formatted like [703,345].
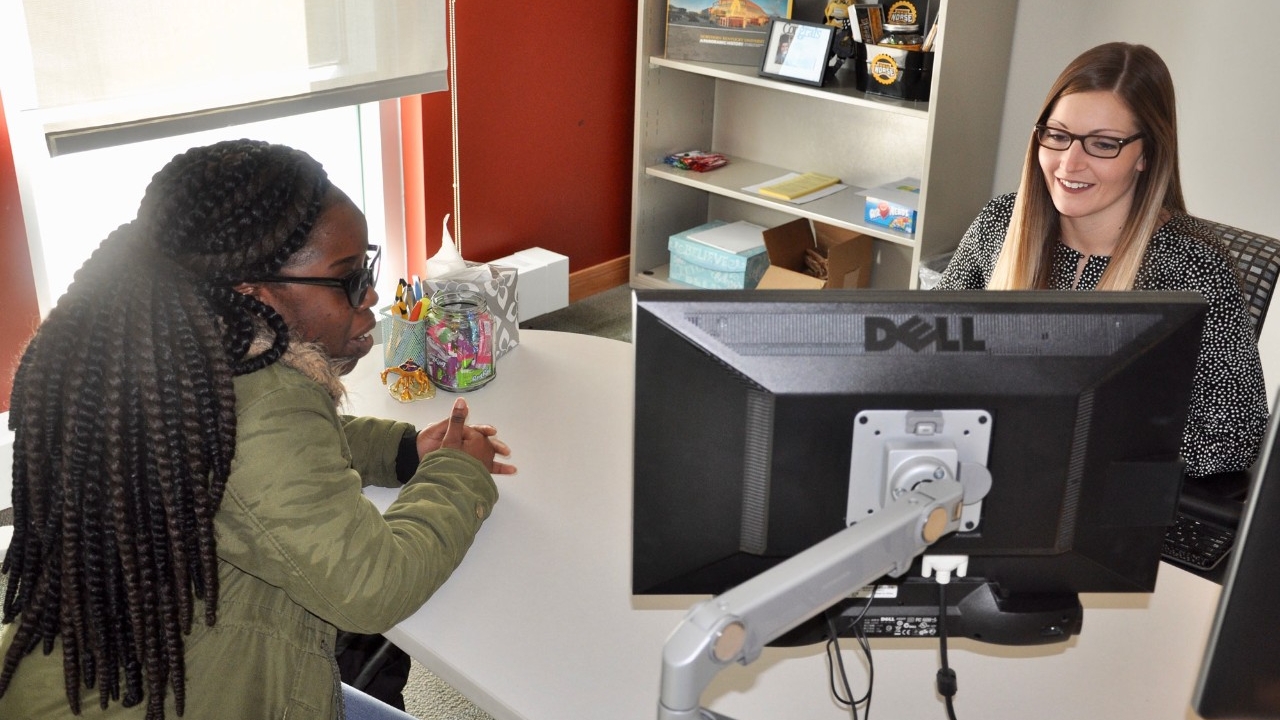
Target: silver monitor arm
[735,626]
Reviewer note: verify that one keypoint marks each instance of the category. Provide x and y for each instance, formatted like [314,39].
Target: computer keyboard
[1196,542]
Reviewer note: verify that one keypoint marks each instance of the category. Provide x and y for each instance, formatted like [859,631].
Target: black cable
[946,676]
[860,633]
[836,660]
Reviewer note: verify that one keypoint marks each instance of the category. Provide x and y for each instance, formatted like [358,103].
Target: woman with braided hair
[190,532]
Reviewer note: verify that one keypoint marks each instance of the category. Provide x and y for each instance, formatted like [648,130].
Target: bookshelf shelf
[840,90]
[843,209]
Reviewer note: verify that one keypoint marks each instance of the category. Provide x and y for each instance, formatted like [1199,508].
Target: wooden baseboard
[598,278]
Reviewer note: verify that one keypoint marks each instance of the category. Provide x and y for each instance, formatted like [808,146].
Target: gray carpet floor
[427,697]
[606,314]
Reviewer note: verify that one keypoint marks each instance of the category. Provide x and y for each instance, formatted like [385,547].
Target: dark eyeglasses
[1099,146]
[355,284]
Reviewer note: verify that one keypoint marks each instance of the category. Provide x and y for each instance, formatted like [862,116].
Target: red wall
[19,313]
[545,104]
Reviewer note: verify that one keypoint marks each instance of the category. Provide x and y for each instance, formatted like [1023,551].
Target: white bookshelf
[769,128]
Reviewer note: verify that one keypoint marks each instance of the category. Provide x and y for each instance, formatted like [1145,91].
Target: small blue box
[733,265]
[893,205]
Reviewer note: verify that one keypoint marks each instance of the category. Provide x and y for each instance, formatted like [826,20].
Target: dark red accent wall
[545,105]
[19,312]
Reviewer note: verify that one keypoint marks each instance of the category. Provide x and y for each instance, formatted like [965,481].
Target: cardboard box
[848,254]
[893,205]
[719,256]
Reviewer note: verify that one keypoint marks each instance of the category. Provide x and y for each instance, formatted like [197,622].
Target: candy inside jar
[459,335]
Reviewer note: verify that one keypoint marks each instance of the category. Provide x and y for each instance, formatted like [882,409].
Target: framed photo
[797,51]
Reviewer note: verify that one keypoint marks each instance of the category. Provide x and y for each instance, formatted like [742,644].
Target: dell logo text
[883,334]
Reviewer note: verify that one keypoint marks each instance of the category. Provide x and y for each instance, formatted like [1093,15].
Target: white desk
[539,624]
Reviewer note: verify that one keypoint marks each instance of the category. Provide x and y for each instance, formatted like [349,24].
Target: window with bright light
[81,197]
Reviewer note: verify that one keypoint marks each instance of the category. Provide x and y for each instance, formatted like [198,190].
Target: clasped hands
[478,441]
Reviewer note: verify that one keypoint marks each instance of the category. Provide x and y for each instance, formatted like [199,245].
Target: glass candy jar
[459,337]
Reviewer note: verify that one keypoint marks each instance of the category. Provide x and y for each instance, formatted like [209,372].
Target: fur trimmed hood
[307,358]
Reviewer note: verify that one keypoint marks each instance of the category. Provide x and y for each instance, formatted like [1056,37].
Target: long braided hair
[124,418]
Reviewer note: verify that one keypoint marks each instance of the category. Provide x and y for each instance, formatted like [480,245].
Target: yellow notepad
[799,186]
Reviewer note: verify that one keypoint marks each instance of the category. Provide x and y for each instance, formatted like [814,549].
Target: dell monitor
[1240,675]
[766,421]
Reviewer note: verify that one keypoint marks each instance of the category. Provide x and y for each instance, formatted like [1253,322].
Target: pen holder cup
[892,72]
[404,353]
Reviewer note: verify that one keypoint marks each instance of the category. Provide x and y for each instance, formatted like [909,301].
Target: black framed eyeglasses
[1099,146]
[355,284]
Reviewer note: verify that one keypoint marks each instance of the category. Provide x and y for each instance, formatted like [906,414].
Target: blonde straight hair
[1139,77]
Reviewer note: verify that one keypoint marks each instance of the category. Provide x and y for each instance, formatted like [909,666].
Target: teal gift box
[719,256]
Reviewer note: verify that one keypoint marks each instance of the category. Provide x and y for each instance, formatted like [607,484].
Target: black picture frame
[797,51]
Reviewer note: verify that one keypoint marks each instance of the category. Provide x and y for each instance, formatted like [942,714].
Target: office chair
[1220,498]
[1258,260]
[361,659]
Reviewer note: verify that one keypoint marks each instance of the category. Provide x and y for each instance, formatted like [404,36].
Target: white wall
[1228,101]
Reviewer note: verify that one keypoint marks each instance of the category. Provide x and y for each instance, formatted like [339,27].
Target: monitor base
[976,609]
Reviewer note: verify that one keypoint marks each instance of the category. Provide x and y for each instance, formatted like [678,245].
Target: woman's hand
[478,441]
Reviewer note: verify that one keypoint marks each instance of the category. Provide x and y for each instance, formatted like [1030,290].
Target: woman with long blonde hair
[1100,207]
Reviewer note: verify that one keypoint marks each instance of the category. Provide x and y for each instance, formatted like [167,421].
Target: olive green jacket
[302,553]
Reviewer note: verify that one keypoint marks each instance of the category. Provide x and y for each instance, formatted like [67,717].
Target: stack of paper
[736,237]
[799,186]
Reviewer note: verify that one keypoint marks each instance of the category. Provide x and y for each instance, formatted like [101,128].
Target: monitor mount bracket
[895,450]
